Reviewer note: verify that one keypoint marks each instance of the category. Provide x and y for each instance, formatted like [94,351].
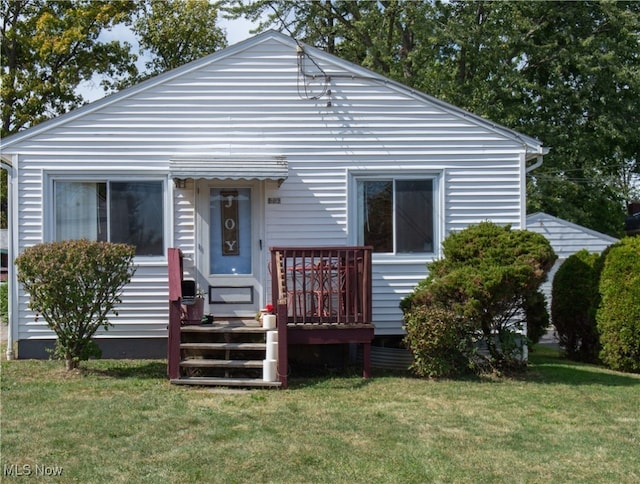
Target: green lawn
[121,421]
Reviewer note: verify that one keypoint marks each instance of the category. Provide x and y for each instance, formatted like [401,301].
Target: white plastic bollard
[269,321]
[269,370]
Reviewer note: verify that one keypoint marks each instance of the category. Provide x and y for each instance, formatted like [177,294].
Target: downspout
[528,169]
[11,279]
[537,164]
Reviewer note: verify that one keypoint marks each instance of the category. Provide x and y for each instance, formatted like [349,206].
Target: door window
[230,231]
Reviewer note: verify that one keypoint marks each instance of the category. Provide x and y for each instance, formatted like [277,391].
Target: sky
[237,31]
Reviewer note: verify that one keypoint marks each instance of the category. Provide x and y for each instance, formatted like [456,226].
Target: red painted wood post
[283,356]
[175,295]
[173,342]
[366,360]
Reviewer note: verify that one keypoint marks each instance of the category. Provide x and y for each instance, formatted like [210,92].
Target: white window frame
[88,176]
[355,176]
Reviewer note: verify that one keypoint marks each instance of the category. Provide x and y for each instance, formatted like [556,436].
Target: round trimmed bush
[486,288]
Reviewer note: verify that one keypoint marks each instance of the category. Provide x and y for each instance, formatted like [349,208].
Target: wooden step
[232,321]
[224,346]
[208,328]
[209,363]
[225,382]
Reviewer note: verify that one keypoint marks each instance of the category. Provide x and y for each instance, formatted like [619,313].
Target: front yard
[121,421]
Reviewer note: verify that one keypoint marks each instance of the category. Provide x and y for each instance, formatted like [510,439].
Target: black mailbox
[188,291]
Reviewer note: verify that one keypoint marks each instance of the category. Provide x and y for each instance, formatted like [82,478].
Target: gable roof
[532,146]
[567,238]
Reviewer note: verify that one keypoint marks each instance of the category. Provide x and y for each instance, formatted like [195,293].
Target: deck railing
[323,285]
[322,295]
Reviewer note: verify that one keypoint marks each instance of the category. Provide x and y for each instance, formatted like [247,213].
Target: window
[127,212]
[396,215]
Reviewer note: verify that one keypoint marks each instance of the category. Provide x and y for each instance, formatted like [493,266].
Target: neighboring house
[632,221]
[266,143]
[566,238]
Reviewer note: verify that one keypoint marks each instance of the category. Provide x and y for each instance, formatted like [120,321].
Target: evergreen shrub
[618,317]
[488,281]
[574,301]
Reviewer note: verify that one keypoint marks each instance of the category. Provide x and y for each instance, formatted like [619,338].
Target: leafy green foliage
[4,302]
[489,278]
[574,301]
[74,285]
[618,318]
[176,32]
[49,48]
[441,342]
[537,316]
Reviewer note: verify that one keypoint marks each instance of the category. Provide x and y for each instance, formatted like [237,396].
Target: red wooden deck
[324,295]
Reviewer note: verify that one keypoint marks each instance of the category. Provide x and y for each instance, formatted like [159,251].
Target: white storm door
[231,239]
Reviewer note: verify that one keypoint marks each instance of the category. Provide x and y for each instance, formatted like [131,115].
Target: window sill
[384,259]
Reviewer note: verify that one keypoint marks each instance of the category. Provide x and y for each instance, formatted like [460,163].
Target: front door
[230,247]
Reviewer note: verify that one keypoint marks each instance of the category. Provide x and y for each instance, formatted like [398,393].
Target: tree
[489,277]
[176,32]
[565,72]
[583,65]
[378,35]
[74,285]
[49,48]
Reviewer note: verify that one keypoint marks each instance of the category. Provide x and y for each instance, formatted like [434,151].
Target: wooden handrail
[174,258]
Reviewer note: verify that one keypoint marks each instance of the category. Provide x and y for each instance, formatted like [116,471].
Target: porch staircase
[226,353]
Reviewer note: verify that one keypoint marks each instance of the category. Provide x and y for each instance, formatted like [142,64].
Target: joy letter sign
[229,220]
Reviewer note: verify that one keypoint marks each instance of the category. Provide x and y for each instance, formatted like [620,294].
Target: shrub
[489,277]
[440,341]
[4,302]
[74,285]
[618,317]
[537,316]
[574,302]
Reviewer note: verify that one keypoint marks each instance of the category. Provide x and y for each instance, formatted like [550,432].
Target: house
[566,238]
[268,143]
[632,221]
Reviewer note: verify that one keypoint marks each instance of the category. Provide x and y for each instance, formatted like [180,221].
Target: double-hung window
[396,215]
[130,212]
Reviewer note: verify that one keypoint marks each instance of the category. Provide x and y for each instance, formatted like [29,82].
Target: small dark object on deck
[207,319]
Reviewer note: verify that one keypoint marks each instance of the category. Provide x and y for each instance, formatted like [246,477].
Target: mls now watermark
[28,470]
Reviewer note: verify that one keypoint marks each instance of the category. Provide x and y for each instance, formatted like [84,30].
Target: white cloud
[237,29]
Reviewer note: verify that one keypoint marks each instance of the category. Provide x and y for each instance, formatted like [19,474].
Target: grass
[121,421]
